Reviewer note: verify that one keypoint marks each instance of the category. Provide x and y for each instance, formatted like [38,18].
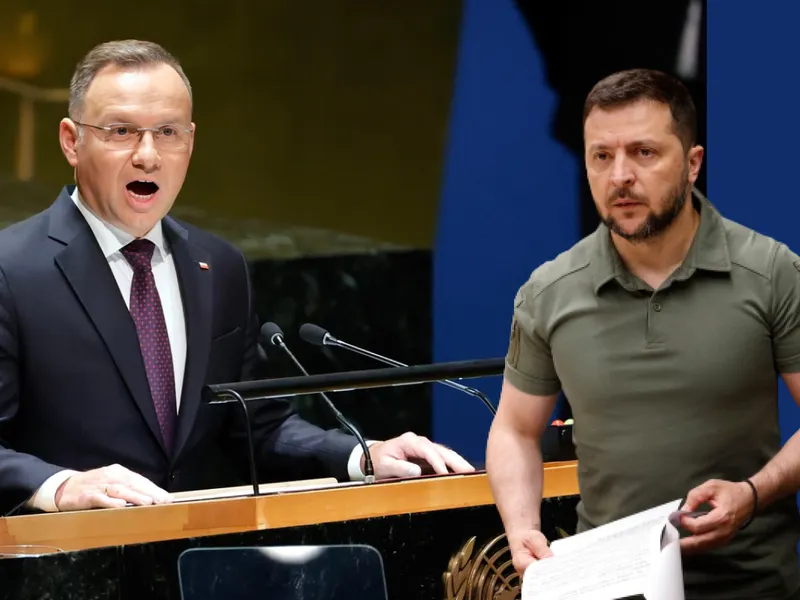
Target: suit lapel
[196,287]
[87,272]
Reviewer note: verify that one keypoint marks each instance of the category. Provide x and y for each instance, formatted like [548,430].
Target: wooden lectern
[440,537]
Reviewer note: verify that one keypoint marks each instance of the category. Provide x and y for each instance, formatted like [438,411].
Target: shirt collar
[112,239]
[709,250]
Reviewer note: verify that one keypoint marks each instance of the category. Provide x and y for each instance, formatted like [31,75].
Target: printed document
[639,554]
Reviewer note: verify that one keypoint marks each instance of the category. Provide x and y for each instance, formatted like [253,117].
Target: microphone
[272,333]
[314,334]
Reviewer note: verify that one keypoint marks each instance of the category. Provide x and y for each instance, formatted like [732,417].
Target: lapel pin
[203,266]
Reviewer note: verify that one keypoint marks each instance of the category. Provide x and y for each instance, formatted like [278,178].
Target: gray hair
[131,54]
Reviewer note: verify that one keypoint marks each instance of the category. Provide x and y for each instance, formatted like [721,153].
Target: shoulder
[567,267]
[19,240]
[22,232]
[217,247]
[757,252]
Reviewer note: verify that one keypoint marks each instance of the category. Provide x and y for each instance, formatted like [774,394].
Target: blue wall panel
[509,203]
[753,126]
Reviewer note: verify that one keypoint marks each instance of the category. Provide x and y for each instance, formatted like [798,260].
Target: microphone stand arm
[329,340]
[252,455]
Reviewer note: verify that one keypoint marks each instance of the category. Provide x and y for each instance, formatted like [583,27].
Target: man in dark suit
[113,316]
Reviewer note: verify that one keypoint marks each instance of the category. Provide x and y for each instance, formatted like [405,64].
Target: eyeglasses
[128,135]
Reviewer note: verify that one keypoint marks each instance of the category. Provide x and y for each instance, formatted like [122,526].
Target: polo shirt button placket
[654,335]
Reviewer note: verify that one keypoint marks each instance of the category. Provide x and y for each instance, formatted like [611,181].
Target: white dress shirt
[111,240]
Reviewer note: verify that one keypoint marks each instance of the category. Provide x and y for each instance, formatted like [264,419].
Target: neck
[655,259]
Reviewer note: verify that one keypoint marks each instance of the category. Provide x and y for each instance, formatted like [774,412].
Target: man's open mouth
[142,188]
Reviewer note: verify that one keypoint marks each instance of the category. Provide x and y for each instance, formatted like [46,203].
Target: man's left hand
[393,458]
[731,505]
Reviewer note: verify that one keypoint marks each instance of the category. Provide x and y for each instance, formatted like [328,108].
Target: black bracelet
[755,504]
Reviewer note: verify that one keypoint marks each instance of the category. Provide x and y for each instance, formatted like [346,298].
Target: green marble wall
[321,115]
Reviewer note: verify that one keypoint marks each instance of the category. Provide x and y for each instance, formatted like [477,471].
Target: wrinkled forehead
[122,94]
[624,125]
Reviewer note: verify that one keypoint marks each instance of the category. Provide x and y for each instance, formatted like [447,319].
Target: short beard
[656,223]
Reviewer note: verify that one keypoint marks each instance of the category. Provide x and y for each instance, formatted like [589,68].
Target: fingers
[391,467]
[395,457]
[127,494]
[699,495]
[539,547]
[108,487]
[422,447]
[80,496]
[454,460]
[438,457]
[146,488]
[528,547]
[521,561]
[720,524]
[699,525]
[97,499]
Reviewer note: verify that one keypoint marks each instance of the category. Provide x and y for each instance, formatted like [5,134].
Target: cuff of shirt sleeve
[530,385]
[788,365]
[354,463]
[45,497]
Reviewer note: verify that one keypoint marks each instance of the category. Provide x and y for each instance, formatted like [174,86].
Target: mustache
[625,194]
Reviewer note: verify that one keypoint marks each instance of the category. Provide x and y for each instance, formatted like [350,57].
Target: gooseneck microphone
[314,334]
[272,334]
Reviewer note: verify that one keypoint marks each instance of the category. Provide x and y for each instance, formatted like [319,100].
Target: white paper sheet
[622,558]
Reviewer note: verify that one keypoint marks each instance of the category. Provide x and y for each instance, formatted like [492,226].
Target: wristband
[755,504]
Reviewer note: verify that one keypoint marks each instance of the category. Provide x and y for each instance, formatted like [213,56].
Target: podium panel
[438,537]
[282,573]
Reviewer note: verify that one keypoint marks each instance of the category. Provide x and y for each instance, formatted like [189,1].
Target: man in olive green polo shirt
[667,329]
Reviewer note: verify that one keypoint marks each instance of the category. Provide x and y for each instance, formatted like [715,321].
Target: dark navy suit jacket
[73,389]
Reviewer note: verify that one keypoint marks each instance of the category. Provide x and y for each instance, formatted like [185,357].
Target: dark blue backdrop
[509,199]
[752,125]
[508,204]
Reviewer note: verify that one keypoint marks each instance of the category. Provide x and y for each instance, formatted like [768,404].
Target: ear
[695,162]
[191,139]
[68,138]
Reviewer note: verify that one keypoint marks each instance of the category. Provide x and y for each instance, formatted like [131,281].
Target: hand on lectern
[527,546]
[109,487]
[393,458]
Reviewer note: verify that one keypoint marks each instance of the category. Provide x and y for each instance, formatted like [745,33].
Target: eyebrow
[116,117]
[633,144]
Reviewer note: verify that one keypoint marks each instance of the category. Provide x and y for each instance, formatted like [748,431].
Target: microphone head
[314,334]
[271,333]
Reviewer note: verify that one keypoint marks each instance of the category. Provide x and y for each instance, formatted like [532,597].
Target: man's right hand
[527,546]
[108,487]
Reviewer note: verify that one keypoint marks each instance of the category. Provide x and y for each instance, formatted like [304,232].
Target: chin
[629,226]
[138,225]
[631,230]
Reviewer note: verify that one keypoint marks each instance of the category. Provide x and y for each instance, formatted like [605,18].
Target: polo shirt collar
[709,250]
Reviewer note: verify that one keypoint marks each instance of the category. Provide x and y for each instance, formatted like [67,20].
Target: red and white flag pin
[203,266]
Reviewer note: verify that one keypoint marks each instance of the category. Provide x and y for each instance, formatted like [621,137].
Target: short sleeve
[786,310]
[529,363]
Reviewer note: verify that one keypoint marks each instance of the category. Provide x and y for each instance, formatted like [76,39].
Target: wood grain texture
[133,525]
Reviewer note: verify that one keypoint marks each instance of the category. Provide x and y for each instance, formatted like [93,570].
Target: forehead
[141,91]
[624,124]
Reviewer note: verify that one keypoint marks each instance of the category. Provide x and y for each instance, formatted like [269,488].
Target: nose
[146,156]
[622,175]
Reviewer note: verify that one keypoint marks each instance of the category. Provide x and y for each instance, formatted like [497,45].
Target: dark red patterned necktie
[151,327]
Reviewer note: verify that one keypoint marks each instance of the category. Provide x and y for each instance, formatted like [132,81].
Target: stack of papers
[639,554]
